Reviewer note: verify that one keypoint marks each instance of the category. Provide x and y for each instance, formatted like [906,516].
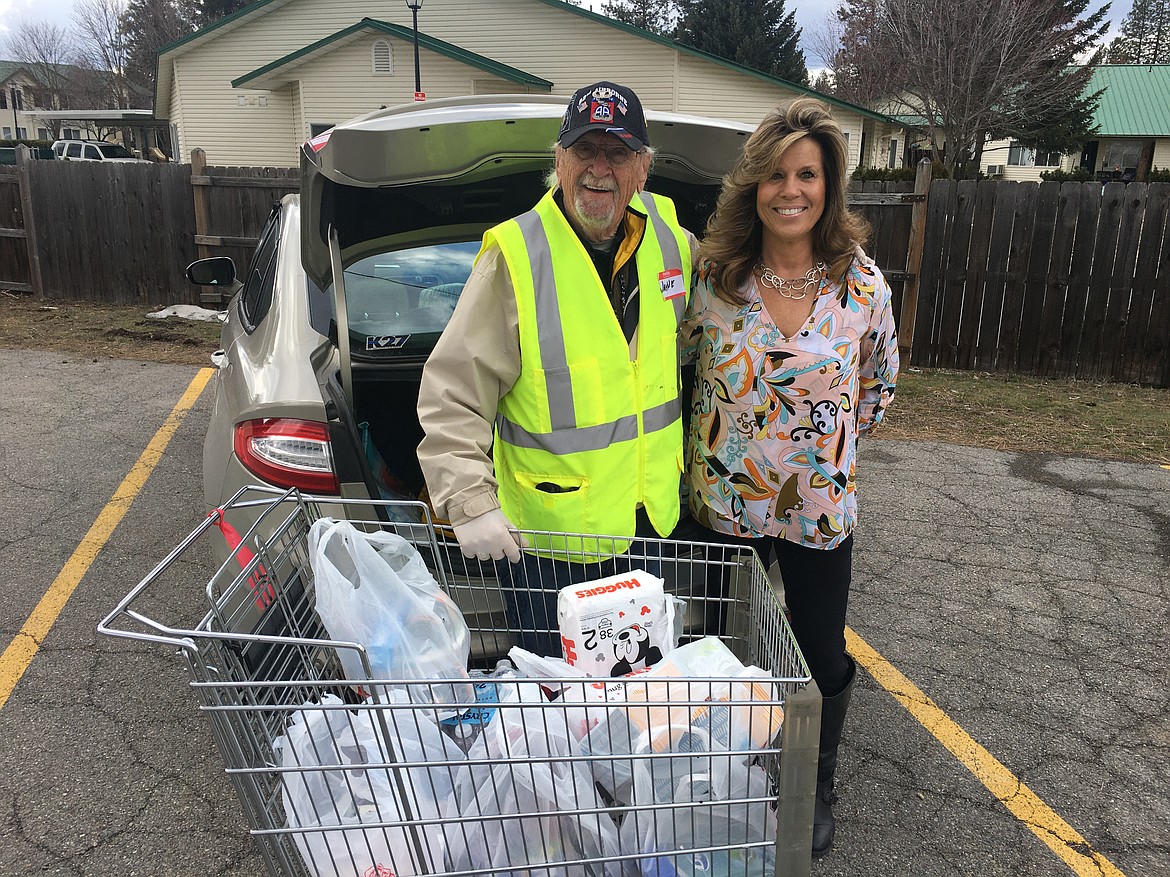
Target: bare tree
[973,70]
[101,40]
[45,50]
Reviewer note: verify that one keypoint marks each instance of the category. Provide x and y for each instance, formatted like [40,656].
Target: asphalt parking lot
[1010,612]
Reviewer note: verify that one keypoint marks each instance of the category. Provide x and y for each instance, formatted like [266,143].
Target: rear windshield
[400,301]
[113,150]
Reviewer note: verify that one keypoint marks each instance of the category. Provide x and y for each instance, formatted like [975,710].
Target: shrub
[898,174]
[1159,175]
[32,144]
[1076,175]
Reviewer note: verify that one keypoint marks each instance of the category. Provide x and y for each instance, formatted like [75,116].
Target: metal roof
[1136,100]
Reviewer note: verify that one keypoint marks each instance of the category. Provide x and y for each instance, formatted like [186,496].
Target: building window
[22,133]
[42,133]
[383,58]
[3,99]
[70,133]
[1024,156]
[316,128]
[7,133]
[1122,154]
[892,160]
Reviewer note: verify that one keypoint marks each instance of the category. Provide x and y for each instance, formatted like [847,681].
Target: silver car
[354,280]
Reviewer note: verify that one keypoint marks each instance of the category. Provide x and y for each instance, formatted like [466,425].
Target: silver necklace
[795,289]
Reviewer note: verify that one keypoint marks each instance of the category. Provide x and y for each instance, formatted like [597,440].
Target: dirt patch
[98,330]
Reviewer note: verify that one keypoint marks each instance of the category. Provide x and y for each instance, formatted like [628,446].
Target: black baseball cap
[607,107]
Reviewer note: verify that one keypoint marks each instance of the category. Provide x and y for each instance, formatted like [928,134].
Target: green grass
[1022,413]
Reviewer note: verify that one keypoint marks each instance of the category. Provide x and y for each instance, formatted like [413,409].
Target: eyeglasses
[615,156]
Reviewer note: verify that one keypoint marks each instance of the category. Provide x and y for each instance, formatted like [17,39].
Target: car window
[399,301]
[73,150]
[92,152]
[256,295]
[115,150]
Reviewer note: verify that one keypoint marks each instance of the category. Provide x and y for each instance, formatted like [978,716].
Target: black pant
[816,591]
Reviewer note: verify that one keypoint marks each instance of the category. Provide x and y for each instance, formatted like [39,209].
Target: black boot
[833,711]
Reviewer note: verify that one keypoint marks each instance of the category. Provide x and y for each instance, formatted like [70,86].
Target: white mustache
[609,184]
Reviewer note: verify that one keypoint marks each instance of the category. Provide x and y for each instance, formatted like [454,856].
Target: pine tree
[755,33]
[1145,35]
[655,16]
[149,25]
[210,11]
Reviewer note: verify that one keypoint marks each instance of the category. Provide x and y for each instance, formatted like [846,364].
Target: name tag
[670,282]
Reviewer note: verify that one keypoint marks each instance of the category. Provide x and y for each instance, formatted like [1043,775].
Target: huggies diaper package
[616,625]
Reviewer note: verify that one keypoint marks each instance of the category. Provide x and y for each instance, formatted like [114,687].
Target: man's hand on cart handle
[491,536]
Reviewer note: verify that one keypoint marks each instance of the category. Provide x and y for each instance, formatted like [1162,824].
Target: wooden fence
[1068,280]
[15,273]
[1052,279]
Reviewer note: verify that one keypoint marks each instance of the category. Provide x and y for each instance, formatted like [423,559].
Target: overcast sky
[810,15]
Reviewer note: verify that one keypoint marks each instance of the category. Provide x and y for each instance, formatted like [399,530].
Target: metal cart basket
[392,777]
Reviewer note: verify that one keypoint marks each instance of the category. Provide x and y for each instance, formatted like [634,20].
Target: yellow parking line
[1024,804]
[27,642]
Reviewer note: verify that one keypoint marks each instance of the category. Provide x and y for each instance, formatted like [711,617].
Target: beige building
[251,88]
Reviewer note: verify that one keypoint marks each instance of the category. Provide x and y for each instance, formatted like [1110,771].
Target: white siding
[1162,153]
[557,45]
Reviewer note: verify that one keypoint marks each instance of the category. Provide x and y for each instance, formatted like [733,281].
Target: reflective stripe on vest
[566,437]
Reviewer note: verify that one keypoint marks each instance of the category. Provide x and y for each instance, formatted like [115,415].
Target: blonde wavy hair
[734,236]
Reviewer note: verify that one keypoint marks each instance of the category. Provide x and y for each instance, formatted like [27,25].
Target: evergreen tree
[149,25]
[1145,35]
[755,33]
[656,16]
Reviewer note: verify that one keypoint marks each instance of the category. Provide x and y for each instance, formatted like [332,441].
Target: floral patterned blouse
[772,442]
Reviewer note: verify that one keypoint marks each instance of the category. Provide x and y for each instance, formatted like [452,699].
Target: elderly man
[551,402]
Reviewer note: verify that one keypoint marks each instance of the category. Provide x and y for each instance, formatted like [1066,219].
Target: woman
[793,333]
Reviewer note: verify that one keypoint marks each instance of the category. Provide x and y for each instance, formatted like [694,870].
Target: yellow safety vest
[586,434]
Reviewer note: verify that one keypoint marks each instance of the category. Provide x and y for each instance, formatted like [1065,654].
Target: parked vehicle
[92,150]
[354,279]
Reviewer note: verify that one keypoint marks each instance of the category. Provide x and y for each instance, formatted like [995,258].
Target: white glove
[490,536]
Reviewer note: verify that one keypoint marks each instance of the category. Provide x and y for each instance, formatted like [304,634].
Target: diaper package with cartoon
[616,625]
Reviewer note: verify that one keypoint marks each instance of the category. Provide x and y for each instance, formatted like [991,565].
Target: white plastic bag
[327,782]
[525,773]
[374,589]
[659,833]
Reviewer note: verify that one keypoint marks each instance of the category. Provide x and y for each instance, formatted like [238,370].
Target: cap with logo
[606,107]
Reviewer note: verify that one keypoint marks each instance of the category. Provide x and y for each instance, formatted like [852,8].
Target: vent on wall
[382,59]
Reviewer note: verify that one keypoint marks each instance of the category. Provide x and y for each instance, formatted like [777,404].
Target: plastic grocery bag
[520,769]
[681,705]
[658,834]
[329,780]
[375,589]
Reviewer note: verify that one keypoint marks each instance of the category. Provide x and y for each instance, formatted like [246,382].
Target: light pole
[415,6]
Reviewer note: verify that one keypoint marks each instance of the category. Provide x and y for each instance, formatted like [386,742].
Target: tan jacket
[474,364]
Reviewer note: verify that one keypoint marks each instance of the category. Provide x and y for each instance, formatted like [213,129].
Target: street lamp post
[415,6]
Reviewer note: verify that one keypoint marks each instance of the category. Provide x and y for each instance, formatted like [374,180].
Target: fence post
[200,194]
[23,158]
[914,262]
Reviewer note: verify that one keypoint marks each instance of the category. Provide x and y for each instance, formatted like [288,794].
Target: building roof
[272,75]
[1135,102]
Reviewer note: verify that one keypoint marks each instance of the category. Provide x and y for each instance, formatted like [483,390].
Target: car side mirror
[217,271]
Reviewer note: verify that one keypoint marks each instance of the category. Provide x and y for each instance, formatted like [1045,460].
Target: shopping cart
[376,777]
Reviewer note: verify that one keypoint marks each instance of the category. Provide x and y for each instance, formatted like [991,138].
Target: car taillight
[288,453]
